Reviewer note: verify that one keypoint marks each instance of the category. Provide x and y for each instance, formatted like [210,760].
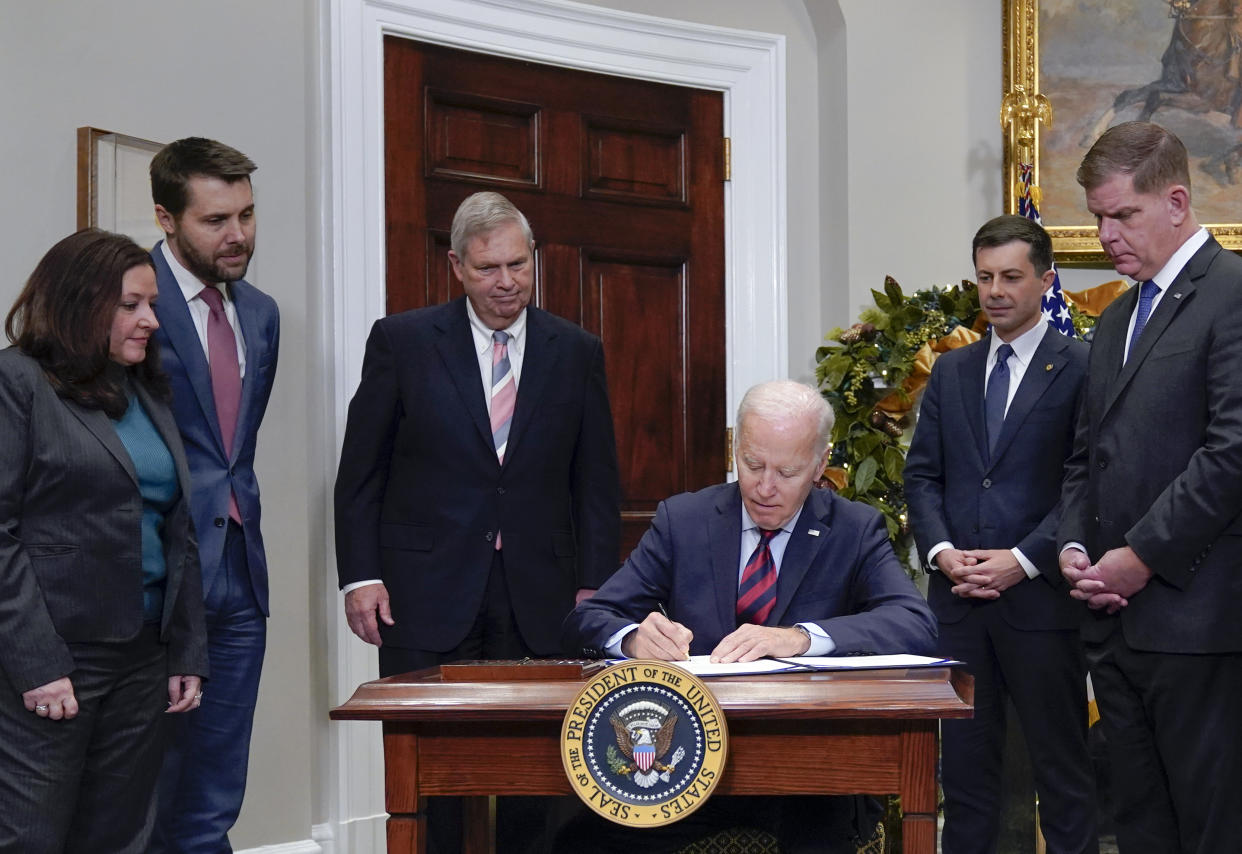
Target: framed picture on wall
[1101,62]
[114,184]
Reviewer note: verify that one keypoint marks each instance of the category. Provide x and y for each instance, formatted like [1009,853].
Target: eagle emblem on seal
[644,733]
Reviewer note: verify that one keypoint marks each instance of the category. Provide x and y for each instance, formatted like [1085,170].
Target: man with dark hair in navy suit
[983,483]
[219,337]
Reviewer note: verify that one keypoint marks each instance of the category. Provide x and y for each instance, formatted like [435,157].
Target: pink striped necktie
[504,396]
[225,371]
[756,594]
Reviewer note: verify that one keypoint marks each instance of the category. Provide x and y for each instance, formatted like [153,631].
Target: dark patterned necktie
[997,395]
[1147,295]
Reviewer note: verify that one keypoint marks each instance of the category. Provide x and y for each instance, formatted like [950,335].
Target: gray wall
[240,71]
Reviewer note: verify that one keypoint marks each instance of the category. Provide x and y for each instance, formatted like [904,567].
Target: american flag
[1056,311]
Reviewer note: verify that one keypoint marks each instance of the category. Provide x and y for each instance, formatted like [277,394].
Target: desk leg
[918,787]
[407,812]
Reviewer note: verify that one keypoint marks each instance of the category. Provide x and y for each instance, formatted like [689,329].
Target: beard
[210,269]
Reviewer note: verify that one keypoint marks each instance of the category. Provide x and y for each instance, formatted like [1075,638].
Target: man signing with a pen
[766,566]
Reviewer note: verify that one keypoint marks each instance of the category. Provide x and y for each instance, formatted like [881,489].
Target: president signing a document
[766,566]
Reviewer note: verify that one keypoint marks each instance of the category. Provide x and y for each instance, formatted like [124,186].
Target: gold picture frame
[1093,52]
[114,184]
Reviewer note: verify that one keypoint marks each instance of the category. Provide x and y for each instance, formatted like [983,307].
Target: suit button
[987,483]
[218,521]
[500,490]
[489,536]
[1103,464]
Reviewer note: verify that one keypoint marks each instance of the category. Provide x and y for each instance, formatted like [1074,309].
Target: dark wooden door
[622,181]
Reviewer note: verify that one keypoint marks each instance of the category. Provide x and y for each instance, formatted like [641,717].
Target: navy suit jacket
[212,473]
[958,492]
[1157,460]
[838,571]
[420,494]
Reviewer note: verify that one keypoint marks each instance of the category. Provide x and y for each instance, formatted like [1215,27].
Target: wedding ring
[198,697]
[40,708]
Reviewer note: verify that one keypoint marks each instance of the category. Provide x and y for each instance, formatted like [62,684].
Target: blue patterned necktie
[997,396]
[1147,294]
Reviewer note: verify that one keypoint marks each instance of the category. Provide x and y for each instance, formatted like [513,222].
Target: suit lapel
[252,338]
[456,346]
[725,535]
[537,361]
[182,337]
[1178,294]
[800,552]
[970,374]
[102,428]
[1046,363]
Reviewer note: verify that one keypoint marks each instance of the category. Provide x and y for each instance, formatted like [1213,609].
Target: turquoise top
[157,483]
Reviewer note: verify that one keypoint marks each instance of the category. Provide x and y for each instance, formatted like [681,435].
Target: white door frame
[747,67]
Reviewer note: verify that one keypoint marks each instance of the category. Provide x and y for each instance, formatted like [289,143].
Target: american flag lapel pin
[812,532]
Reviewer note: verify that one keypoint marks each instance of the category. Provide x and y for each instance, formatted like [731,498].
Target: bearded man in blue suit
[218,338]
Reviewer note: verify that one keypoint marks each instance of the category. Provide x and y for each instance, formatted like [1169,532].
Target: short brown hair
[1005,229]
[1153,156]
[63,320]
[193,157]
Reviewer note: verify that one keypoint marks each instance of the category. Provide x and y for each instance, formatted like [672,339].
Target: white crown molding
[747,68]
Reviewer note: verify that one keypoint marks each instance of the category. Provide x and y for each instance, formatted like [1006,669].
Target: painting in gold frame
[1082,55]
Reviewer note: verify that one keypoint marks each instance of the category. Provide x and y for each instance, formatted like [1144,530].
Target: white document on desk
[701,665]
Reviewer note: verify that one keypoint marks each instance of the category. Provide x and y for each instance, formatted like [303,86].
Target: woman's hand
[54,700]
[184,693]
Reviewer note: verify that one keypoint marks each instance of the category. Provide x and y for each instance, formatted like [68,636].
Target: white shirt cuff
[613,645]
[1031,571]
[935,550]
[349,588]
[821,642]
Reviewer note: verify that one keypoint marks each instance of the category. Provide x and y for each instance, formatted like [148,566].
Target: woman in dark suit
[101,621]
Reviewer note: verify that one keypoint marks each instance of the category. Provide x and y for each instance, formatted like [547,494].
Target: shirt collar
[1180,258]
[187,281]
[483,334]
[1024,346]
[748,524]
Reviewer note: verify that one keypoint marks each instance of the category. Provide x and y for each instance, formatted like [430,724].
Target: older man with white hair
[764,566]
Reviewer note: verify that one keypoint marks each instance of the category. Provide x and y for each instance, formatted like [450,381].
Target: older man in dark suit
[764,566]
[983,482]
[477,495]
[1151,526]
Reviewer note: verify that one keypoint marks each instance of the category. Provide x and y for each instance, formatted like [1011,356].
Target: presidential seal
[644,743]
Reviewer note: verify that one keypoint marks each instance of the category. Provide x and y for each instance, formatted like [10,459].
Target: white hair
[780,399]
[482,213]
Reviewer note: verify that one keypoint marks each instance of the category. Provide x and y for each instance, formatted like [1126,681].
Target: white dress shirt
[199,310]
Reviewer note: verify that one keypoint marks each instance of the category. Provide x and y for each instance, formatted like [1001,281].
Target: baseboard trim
[302,846]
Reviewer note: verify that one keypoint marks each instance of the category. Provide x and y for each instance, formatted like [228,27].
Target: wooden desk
[873,732]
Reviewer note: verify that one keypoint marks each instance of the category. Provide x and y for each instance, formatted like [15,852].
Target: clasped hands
[660,638]
[1108,583]
[980,573]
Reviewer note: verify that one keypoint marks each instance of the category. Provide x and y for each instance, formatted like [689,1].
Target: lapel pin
[1177,295]
[812,532]
[1048,367]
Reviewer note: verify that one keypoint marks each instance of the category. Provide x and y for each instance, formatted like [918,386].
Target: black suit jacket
[420,495]
[1157,460]
[71,536]
[838,571]
[958,492]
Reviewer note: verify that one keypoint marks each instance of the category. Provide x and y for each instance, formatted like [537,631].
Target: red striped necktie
[756,595]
